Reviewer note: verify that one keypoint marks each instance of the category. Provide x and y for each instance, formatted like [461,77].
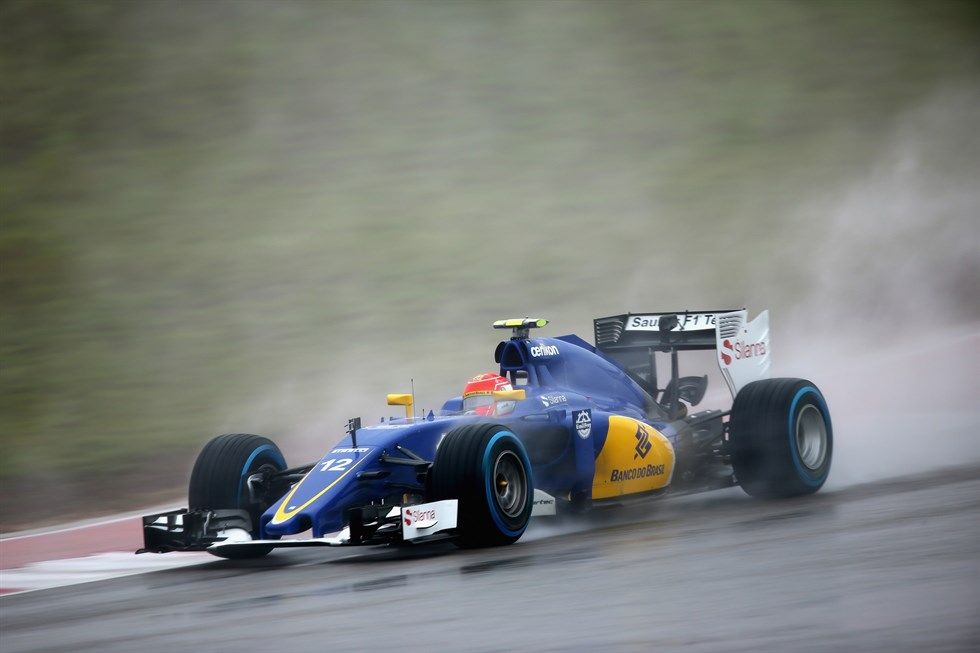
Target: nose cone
[319,499]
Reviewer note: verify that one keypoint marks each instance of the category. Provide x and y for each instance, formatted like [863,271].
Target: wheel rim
[509,484]
[811,437]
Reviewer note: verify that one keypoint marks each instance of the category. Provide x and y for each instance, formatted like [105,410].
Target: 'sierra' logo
[643,445]
[741,350]
[727,344]
[552,400]
[422,518]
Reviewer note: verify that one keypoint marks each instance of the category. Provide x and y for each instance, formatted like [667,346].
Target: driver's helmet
[478,397]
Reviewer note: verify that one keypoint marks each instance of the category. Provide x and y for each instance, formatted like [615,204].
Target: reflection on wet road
[893,565]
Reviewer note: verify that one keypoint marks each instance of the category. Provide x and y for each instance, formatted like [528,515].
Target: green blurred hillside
[262,216]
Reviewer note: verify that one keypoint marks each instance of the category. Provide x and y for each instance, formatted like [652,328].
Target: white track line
[74,571]
[87,567]
[91,523]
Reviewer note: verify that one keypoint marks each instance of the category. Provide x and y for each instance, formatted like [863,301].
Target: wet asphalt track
[890,566]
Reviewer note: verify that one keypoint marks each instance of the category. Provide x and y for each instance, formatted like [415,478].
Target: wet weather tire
[218,481]
[487,469]
[781,438]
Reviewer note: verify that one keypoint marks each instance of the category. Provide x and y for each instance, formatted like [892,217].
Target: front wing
[222,531]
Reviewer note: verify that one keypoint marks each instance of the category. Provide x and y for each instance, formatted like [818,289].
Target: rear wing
[742,346]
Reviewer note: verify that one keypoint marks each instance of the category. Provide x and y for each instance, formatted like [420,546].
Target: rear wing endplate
[742,346]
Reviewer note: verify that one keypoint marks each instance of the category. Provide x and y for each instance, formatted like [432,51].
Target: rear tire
[782,439]
[486,468]
[218,481]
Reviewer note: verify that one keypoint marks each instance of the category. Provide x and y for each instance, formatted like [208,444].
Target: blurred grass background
[261,216]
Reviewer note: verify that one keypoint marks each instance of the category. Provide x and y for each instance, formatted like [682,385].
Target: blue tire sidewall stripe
[255,454]
[802,471]
[491,501]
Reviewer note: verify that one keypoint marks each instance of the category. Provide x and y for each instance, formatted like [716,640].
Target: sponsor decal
[583,422]
[636,472]
[553,400]
[538,351]
[421,518]
[543,504]
[351,450]
[643,445]
[740,350]
[692,322]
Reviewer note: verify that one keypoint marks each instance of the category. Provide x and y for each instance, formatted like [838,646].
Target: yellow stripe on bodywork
[635,458]
[282,514]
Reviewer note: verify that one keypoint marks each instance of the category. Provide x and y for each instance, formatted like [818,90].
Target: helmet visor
[473,402]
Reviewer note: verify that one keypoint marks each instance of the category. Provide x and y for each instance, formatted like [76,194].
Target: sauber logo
[685,322]
[643,445]
[421,518]
[741,350]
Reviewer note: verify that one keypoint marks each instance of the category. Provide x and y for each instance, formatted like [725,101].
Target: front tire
[486,468]
[218,481]
[782,438]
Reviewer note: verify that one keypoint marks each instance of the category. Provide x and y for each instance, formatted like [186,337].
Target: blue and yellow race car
[569,427]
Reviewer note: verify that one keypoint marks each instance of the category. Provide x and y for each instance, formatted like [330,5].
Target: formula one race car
[569,427]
